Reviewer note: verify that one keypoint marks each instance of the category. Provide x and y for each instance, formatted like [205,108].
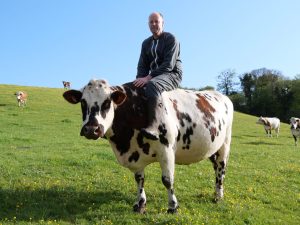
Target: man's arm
[143,67]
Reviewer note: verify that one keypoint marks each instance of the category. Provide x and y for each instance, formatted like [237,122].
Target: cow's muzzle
[92,131]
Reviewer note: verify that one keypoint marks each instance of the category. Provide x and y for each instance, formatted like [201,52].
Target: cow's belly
[200,147]
[193,155]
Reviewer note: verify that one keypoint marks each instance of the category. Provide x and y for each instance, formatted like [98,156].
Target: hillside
[49,174]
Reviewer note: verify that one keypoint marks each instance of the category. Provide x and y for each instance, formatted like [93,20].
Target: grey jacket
[160,56]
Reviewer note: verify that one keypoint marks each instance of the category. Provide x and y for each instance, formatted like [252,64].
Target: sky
[44,42]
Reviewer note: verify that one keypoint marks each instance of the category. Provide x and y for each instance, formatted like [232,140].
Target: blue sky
[46,41]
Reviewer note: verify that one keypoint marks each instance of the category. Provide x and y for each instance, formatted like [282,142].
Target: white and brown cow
[195,125]
[270,123]
[295,128]
[21,98]
[67,84]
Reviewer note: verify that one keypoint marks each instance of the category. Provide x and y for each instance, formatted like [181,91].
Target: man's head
[156,24]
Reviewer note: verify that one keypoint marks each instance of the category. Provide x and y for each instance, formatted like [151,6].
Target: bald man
[159,69]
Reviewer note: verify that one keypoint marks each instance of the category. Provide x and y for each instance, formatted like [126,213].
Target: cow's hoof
[173,211]
[217,199]
[139,209]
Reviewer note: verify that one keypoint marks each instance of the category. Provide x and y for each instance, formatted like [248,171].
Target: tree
[206,88]
[294,110]
[248,81]
[226,82]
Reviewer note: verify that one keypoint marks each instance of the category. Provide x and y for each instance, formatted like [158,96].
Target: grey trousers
[161,83]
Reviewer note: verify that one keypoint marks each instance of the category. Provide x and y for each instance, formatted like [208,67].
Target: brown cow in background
[67,84]
[21,98]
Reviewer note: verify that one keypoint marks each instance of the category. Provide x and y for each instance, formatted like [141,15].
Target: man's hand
[140,82]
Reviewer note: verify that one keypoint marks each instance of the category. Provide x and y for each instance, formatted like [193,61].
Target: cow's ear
[118,97]
[73,96]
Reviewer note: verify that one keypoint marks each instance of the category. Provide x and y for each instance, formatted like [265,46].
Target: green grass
[51,175]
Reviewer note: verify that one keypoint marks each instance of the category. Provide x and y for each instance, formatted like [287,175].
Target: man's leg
[153,91]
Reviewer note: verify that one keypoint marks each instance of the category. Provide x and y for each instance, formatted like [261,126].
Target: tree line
[262,92]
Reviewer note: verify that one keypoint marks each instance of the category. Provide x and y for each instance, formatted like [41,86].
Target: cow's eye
[105,105]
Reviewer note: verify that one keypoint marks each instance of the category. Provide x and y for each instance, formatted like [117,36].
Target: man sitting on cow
[159,69]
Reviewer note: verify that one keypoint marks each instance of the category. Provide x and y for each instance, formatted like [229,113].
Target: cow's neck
[131,114]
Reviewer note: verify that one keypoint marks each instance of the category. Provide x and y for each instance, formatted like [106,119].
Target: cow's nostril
[97,130]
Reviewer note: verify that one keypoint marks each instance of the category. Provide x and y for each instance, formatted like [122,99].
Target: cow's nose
[92,131]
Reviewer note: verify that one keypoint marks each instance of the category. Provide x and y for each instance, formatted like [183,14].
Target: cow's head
[295,123]
[98,102]
[263,121]
[19,95]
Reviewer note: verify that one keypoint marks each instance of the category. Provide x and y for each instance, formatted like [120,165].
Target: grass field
[51,175]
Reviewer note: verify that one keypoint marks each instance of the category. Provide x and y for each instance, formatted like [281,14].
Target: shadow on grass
[261,143]
[50,204]
[244,136]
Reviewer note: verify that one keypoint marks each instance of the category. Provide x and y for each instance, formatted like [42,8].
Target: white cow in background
[270,123]
[295,128]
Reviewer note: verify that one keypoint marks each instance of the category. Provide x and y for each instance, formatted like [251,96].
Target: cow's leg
[140,205]
[277,132]
[267,132]
[295,138]
[219,160]
[167,163]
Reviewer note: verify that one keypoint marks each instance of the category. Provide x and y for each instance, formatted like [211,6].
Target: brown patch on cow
[180,116]
[175,107]
[267,122]
[205,107]
[213,133]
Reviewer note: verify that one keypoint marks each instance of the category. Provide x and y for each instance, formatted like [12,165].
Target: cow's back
[201,122]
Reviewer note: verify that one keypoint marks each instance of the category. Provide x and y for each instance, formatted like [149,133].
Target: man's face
[156,24]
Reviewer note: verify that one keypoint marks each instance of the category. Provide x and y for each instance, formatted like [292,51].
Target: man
[159,69]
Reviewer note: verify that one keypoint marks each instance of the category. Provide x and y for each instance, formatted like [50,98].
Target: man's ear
[72,96]
[118,97]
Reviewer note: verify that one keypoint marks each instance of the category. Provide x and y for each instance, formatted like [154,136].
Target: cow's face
[98,101]
[295,123]
[261,120]
[19,95]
